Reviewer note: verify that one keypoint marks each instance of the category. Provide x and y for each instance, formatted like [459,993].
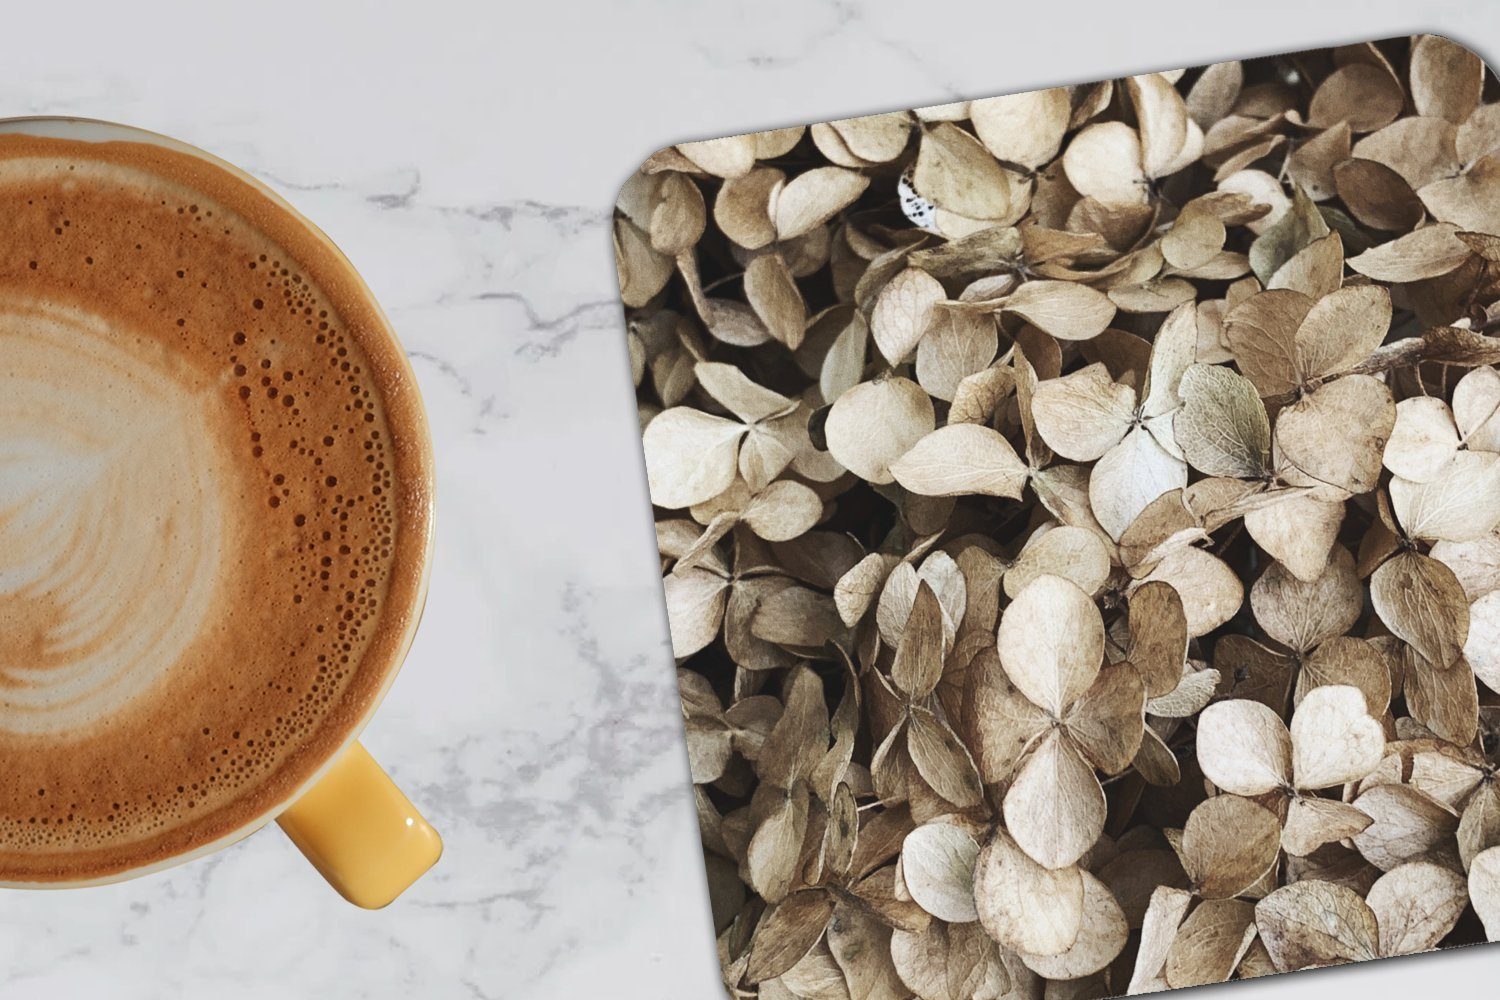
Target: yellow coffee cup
[337,805]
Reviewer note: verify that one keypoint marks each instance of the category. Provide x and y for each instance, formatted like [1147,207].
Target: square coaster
[1078,522]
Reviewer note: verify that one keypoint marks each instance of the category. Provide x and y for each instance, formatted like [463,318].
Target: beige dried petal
[732,156]
[783,511]
[1159,929]
[1420,600]
[1156,295]
[1228,843]
[1195,689]
[957,344]
[1342,329]
[875,423]
[798,617]
[1484,890]
[1348,660]
[942,760]
[1427,253]
[942,574]
[730,387]
[1211,943]
[857,588]
[1476,409]
[1476,564]
[695,609]
[1335,740]
[1313,923]
[679,215]
[788,932]
[1211,592]
[920,653]
[1311,164]
[1075,554]
[1264,191]
[1479,133]
[1301,614]
[1195,238]
[1213,95]
[1101,937]
[1051,642]
[1065,309]
[815,977]
[770,446]
[1002,722]
[1449,779]
[1312,822]
[1416,906]
[1244,747]
[1106,720]
[1461,503]
[1419,149]
[1156,763]
[1470,200]
[1377,195]
[1293,230]
[812,198]
[871,139]
[1024,906]
[1222,427]
[1423,440]
[1025,129]
[949,962]
[844,363]
[1261,331]
[1252,671]
[1316,270]
[902,312]
[1363,95]
[1172,351]
[1129,476]
[773,295]
[734,323]
[861,946]
[955,172]
[643,272]
[961,459]
[1446,78]
[1163,119]
[1083,415]
[690,456]
[1407,824]
[1444,700]
[1104,161]
[1298,532]
[1158,636]
[978,396]
[1336,434]
[742,208]
[1055,807]
[1482,647]
[937,865]
[771,859]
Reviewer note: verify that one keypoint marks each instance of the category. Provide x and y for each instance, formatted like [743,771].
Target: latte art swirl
[110,518]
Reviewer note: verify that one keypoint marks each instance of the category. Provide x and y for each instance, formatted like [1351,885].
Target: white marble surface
[466,157]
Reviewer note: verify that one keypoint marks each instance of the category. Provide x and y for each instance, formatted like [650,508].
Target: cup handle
[360,832]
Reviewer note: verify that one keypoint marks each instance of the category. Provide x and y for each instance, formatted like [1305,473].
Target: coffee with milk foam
[213,511]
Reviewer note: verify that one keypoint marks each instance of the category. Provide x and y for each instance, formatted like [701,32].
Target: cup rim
[419,427]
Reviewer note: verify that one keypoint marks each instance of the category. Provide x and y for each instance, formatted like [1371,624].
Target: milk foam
[111,518]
